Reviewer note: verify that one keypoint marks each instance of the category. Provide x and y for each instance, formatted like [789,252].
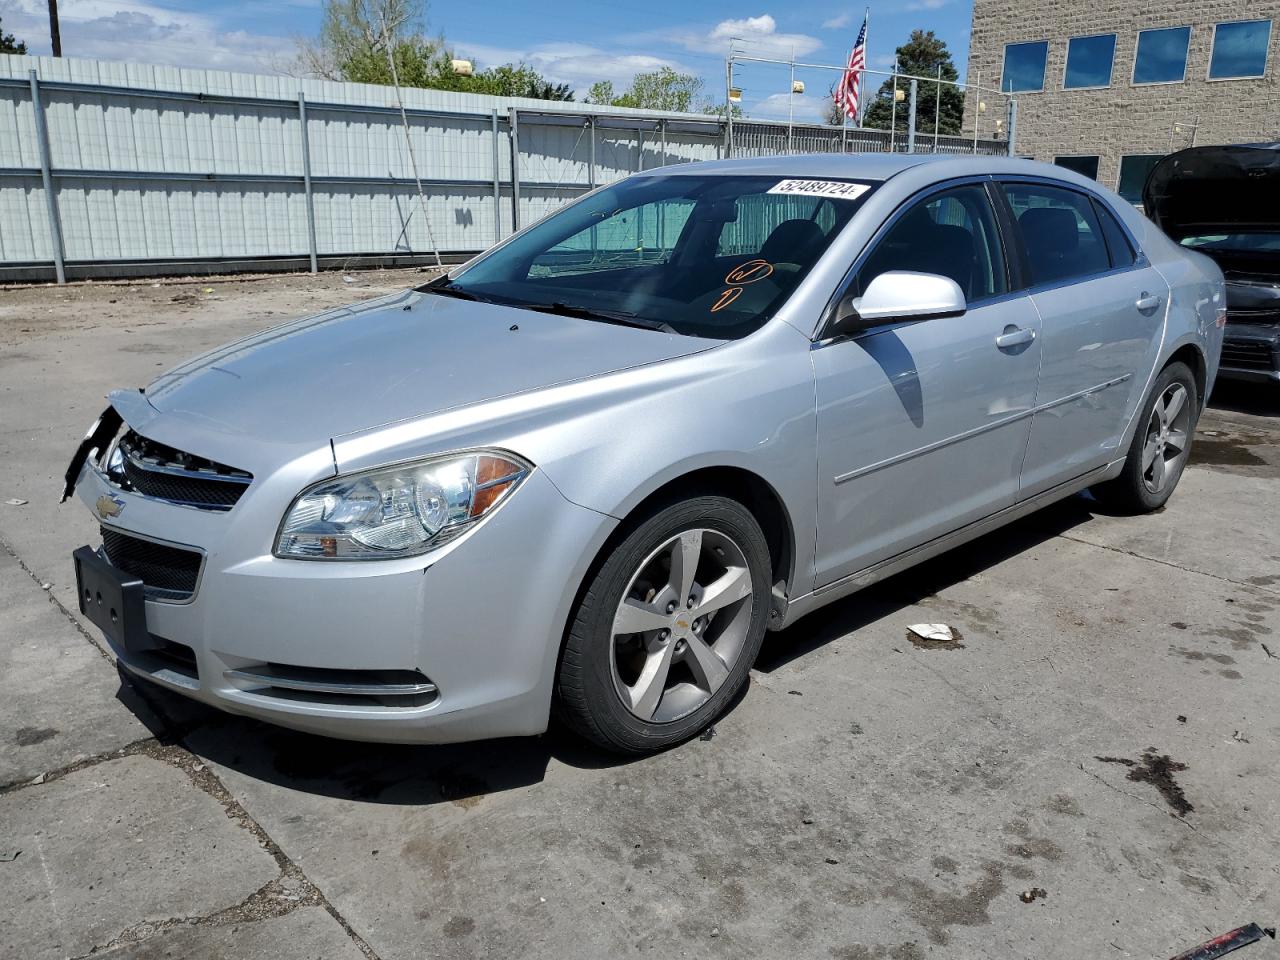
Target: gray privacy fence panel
[160,169]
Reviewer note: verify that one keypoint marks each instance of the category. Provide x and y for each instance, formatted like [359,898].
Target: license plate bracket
[113,600]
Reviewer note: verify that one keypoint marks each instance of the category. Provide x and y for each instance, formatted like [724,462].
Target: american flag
[846,94]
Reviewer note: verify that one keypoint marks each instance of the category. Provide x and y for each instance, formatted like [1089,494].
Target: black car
[1225,202]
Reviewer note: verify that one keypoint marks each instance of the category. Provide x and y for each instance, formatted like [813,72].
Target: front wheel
[666,631]
[1160,446]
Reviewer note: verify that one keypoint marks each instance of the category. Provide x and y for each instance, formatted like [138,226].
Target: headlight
[397,511]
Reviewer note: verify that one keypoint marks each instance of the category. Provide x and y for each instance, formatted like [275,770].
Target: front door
[922,426]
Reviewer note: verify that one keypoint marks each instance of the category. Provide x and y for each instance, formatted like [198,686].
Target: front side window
[1134,170]
[1024,66]
[952,234]
[1240,49]
[1085,166]
[1161,56]
[706,256]
[1089,61]
[1060,232]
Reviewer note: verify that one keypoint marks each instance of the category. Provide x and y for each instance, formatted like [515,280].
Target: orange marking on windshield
[726,298]
[749,272]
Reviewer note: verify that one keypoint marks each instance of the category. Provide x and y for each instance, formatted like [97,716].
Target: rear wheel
[667,630]
[1160,447]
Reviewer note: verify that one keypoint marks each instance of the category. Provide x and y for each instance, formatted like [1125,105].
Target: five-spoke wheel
[668,627]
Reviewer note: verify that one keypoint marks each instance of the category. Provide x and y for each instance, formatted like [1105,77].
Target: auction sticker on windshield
[836,189]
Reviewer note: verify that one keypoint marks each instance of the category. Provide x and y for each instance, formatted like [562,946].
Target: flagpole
[844,114]
[866,39]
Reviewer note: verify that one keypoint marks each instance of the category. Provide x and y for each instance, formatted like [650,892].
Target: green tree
[356,34]
[8,44]
[663,89]
[921,56]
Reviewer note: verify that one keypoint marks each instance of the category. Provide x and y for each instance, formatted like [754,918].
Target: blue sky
[573,41]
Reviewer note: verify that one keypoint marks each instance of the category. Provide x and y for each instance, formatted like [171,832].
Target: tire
[1159,450]
[640,691]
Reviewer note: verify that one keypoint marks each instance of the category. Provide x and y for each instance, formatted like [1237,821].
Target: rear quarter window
[1061,235]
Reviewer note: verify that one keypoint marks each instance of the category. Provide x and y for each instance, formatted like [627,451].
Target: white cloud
[808,108]
[757,36]
[142,32]
[927,4]
[575,64]
[836,22]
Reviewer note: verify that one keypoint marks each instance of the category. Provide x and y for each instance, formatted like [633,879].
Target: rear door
[1102,309]
[922,426]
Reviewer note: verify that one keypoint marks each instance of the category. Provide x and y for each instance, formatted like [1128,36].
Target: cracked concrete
[897,807]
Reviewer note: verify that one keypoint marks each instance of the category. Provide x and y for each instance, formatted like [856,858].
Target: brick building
[1109,87]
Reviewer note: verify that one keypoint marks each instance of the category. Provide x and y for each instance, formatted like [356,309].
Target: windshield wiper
[621,317]
[449,289]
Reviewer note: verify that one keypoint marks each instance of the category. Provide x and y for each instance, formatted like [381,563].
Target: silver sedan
[590,468]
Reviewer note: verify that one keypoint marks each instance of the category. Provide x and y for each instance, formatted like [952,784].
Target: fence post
[1013,126]
[663,124]
[911,119]
[515,168]
[306,178]
[497,182]
[639,149]
[46,176]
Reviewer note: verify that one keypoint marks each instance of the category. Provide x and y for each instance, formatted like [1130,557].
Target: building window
[1089,61]
[1085,166]
[1240,49]
[1162,55]
[1024,67]
[1133,174]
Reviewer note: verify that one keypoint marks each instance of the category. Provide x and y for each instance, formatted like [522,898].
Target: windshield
[705,256]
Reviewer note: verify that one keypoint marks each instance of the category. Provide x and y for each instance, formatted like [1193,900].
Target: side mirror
[900,295]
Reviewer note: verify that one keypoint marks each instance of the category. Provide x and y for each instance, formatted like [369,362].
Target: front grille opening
[1249,356]
[175,656]
[156,470]
[167,573]
[322,685]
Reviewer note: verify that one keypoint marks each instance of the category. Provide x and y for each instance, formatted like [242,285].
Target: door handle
[1014,337]
[1147,302]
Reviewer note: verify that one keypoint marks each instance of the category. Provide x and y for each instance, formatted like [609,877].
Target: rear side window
[1118,245]
[1060,232]
[952,234]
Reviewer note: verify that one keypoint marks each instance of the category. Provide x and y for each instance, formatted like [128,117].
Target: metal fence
[111,169]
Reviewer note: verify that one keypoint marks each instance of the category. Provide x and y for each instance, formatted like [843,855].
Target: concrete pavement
[1108,735]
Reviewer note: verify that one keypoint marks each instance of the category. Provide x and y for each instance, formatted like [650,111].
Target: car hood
[407,355]
[1226,189]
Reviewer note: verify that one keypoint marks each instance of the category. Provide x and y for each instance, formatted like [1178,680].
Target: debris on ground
[832,860]
[1239,737]
[1227,942]
[708,733]
[1182,718]
[1157,769]
[795,693]
[15,502]
[1035,893]
[5,858]
[807,821]
[935,636]
[1265,648]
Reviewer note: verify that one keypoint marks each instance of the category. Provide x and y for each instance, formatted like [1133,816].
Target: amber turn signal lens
[494,477]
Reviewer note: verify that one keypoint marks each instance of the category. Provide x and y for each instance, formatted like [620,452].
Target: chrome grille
[323,685]
[156,470]
[167,573]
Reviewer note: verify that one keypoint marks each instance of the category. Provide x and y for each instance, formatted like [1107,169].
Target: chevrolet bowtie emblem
[683,625]
[109,506]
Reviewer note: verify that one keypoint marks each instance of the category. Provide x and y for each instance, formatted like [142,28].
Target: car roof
[926,167]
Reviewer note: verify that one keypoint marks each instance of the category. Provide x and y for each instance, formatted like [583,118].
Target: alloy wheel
[681,625]
[1168,437]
